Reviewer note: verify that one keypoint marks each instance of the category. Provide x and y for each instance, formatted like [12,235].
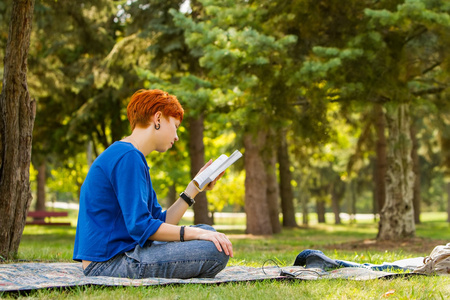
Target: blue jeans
[188,259]
[316,259]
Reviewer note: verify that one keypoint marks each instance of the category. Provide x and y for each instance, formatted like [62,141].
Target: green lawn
[55,244]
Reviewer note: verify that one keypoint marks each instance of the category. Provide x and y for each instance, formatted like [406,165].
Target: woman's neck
[140,138]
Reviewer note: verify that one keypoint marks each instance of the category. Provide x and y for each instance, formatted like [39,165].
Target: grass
[56,244]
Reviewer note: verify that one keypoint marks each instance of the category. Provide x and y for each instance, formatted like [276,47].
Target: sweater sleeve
[139,208]
[155,208]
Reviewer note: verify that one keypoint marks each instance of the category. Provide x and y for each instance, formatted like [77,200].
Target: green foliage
[395,54]
[309,68]
[68,179]
[229,192]
[377,56]
[237,51]
[87,74]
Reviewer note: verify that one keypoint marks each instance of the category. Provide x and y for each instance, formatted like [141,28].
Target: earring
[157,127]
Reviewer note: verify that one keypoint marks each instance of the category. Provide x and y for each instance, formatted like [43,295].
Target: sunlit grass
[414,288]
[49,243]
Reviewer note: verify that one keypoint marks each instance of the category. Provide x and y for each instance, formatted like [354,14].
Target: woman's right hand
[219,239]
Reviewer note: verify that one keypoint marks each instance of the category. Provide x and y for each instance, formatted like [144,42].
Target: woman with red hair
[122,230]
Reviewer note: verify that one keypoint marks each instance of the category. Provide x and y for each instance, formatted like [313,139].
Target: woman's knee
[210,249]
[217,261]
[212,252]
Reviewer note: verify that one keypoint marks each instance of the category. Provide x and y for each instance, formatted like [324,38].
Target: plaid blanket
[30,276]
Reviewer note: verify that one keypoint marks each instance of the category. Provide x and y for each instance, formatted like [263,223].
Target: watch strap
[187,198]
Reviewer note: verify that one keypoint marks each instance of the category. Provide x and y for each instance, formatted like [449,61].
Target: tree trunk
[381,161]
[286,194]
[17,112]
[445,153]
[354,199]
[375,209]
[197,151]
[397,215]
[448,202]
[320,209]
[41,179]
[351,199]
[171,195]
[305,212]
[256,206]
[335,204]
[416,169]
[272,192]
[89,153]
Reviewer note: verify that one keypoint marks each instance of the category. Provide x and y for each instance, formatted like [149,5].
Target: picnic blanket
[31,276]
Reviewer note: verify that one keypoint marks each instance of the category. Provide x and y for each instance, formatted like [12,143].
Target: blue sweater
[118,206]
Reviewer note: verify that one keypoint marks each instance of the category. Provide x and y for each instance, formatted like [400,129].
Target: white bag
[438,263]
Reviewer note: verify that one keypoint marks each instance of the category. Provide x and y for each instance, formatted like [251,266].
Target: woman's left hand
[211,185]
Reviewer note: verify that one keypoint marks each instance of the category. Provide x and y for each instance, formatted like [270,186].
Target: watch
[187,198]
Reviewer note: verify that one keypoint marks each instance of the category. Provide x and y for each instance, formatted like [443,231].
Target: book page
[228,162]
[214,170]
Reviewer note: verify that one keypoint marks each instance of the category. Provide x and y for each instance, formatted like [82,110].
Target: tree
[272,193]
[286,194]
[380,163]
[17,112]
[40,189]
[390,59]
[307,105]
[256,204]
[397,215]
[444,139]
[241,54]
[81,72]
[416,170]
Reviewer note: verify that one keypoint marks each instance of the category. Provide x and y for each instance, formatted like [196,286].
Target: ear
[157,117]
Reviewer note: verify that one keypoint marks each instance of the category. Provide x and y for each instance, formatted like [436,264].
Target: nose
[176,137]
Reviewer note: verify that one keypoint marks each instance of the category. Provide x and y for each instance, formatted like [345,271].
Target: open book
[208,175]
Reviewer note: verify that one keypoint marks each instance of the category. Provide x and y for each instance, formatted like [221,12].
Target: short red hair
[145,103]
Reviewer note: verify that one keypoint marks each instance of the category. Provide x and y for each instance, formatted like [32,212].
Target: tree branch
[429,91]
[421,30]
[431,67]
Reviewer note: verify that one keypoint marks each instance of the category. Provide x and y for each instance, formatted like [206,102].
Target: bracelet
[182,233]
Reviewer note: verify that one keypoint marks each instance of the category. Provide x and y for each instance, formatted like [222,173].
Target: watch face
[188,199]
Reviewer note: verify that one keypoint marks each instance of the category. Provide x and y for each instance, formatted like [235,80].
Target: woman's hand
[211,185]
[192,191]
[219,239]
[168,232]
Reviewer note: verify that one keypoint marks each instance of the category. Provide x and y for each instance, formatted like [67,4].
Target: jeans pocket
[133,255]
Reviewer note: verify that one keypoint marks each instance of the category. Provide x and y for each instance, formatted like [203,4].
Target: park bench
[42,217]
